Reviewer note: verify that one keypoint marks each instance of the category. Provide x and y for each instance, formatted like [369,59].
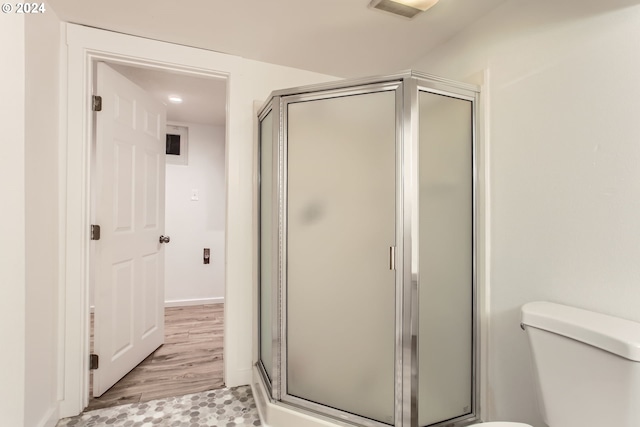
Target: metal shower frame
[407,86]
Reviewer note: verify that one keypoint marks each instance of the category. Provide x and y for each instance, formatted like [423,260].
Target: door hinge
[96,103]
[95,232]
[94,361]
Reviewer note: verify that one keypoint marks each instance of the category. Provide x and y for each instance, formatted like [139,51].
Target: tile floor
[227,407]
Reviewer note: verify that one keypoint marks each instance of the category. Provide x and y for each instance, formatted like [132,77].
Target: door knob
[165,239]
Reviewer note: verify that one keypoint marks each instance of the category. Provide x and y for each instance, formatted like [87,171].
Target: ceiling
[204,100]
[342,38]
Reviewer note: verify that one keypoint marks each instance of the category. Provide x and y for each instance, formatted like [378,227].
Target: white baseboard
[184,302]
[199,301]
[51,418]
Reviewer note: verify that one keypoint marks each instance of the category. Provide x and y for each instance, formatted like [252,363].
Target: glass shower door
[340,289]
[446,251]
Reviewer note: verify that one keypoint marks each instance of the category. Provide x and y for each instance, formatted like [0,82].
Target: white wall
[12,222]
[195,225]
[29,225]
[563,97]
[41,136]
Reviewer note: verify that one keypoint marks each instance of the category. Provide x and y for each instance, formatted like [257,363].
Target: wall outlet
[195,195]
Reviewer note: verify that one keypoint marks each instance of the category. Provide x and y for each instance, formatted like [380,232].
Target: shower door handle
[392,257]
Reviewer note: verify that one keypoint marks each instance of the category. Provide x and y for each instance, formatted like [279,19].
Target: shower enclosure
[367,249]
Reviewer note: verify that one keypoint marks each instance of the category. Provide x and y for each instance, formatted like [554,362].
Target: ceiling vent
[405,8]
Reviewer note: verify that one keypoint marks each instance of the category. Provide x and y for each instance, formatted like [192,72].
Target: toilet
[586,367]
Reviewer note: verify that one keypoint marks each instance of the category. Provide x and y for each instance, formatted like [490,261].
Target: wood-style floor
[190,361]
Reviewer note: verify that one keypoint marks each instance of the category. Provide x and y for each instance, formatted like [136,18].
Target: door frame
[84,47]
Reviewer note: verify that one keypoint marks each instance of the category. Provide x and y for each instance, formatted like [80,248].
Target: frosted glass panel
[266,240]
[446,258]
[341,223]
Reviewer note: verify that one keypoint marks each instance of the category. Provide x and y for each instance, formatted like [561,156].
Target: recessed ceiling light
[175,99]
[406,8]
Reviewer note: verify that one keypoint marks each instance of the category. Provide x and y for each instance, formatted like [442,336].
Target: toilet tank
[586,366]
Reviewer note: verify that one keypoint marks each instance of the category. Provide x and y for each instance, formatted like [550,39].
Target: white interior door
[129,264]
